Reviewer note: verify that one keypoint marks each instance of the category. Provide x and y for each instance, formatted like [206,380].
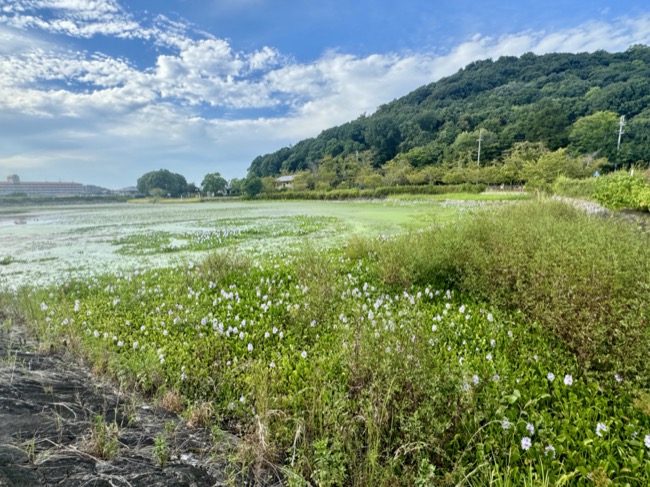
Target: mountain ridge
[533,98]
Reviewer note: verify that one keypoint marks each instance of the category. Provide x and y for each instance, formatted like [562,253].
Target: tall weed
[585,279]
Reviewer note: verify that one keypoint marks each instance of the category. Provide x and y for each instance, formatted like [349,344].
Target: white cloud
[121,120]
[77,18]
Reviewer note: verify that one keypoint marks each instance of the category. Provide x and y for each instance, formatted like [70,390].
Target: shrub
[574,188]
[622,190]
[381,192]
[586,280]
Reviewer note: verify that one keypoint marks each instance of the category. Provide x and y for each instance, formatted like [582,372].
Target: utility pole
[621,124]
[480,139]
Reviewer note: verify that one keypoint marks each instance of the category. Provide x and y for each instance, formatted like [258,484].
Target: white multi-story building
[30,188]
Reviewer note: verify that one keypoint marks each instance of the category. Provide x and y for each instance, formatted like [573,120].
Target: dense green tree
[252,186]
[595,134]
[214,183]
[548,122]
[172,184]
[383,136]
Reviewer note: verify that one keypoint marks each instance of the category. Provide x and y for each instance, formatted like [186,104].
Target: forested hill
[561,100]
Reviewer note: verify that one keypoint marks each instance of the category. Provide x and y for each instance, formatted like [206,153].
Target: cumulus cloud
[199,105]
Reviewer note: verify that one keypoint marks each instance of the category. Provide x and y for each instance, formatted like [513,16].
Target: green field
[402,342]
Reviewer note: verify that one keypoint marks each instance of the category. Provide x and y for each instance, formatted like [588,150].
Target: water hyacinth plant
[397,360]
[317,350]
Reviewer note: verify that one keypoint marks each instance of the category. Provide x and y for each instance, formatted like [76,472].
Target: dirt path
[48,406]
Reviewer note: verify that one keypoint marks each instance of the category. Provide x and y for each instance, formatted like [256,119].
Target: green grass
[424,359]
[585,279]
[464,197]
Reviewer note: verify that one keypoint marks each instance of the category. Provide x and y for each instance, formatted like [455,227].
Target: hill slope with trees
[562,110]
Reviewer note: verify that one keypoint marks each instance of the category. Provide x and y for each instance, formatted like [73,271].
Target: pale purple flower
[568,380]
[303,354]
[618,378]
[549,448]
[600,428]
[250,347]
[490,318]
[475,379]
[550,376]
[488,356]
[526,443]
[646,440]
[530,428]
[506,424]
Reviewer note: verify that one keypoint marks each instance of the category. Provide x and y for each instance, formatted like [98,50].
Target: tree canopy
[571,101]
[214,183]
[171,184]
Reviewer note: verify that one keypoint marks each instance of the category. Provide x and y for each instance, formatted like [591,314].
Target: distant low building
[14,186]
[93,190]
[128,191]
[284,182]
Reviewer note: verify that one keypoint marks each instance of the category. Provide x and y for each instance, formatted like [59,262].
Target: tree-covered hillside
[558,100]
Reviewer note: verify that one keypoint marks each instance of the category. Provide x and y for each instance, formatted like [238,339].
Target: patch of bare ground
[59,426]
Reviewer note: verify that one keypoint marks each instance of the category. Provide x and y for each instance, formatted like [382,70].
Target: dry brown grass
[200,415]
[172,402]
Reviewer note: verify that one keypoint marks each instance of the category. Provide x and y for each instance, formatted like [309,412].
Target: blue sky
[102,91]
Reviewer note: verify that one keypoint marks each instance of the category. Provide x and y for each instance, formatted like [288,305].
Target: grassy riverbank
[504,348]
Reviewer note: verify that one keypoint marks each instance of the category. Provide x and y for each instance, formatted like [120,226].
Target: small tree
[252,186]
[214,183]
[157,193]
[171,183]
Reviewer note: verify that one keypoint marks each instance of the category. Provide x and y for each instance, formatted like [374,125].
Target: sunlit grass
[385,361]
[488,196]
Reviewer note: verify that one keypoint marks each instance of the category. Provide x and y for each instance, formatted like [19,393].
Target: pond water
[43,245]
